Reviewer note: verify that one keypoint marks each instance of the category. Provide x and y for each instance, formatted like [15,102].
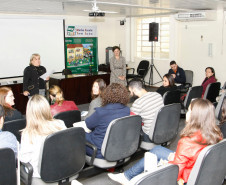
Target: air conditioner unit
[209,15]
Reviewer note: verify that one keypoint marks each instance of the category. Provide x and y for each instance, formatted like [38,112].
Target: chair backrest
[14,127]
[189,77]
[166,124]
[142,68]
[66,72]
[69,117]
[210,166]
[162,175]
[7,167]
[224,86]
[122,138]
[193,92]
[63,155]
[170,97]
[212,91]
[218,110]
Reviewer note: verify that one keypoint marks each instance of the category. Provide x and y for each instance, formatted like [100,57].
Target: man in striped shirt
[147,105]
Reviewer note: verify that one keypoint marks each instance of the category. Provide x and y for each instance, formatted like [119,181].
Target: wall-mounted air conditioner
[208,15]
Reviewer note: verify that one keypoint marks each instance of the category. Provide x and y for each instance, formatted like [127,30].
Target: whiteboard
[20,38]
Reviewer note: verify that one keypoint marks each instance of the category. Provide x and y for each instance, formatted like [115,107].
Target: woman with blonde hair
[32,83]
[58,102]
[7,101]
[40,124]
[200,131]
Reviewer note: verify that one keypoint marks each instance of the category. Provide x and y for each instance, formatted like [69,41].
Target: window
[160,48]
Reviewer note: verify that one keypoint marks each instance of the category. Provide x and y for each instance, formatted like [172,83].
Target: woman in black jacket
[32,83]
[168,84]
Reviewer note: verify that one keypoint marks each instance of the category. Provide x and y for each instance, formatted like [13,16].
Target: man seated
[177,73]
[147,105]
[7,139]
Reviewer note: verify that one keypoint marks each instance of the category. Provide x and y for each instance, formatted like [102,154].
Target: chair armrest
[130,69]
[94,152]
[26,172]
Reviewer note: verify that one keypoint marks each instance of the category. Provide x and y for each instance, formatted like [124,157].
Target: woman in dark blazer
[114,100]
[32,83]
[168,84]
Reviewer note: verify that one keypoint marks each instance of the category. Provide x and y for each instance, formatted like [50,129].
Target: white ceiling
[125,8]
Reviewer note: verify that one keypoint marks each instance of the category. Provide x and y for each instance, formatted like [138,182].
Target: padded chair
[69,117]
[7,167]
[142,70]
[193,93]
[218,110]
[66,72]
[212,91]
[63,157]
[210,166]
[120,142]
[170,97]
[166,174]
[189,81]
[164,127]
[14,127]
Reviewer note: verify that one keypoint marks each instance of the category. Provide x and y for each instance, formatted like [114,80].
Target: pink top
[66,106]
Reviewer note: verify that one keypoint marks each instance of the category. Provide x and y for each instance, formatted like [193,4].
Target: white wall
[190,51]
[193,50]
[110,33]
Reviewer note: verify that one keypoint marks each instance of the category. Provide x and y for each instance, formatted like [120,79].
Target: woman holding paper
[32,81]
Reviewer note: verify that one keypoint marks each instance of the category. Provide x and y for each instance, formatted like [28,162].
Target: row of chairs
[66,149]
[121,141]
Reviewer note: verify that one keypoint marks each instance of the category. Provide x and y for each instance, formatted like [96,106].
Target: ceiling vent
[209,15]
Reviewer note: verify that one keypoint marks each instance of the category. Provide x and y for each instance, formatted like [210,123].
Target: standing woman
[32,83]
[7,102]
[210,78]
[118,67]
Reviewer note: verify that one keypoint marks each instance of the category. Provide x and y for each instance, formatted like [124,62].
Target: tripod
[153,67]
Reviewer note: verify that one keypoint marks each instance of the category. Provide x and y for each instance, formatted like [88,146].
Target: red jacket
[66,106]
[210,80]
[186,154]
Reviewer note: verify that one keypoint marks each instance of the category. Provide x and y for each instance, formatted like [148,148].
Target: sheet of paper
[83,125]
[47,74]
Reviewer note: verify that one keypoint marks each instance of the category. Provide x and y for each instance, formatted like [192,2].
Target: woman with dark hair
[7,101]
[200,131]
[118,67]
[97,88]
[114,100]
[210,78]
[223,119]
[168,84]
[58,103]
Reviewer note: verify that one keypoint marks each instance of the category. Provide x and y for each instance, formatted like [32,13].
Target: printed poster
[81,49]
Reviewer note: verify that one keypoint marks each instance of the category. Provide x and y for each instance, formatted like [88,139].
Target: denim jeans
[138,168]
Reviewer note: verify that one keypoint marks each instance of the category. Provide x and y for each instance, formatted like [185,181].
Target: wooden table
[78,87]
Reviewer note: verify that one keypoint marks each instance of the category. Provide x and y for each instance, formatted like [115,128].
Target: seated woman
[210,78]
[40,124]
[168,84]
[7,101]
[97,88]
[7,139]
[57,99]
[114,100]
[223,119]
[199,132]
